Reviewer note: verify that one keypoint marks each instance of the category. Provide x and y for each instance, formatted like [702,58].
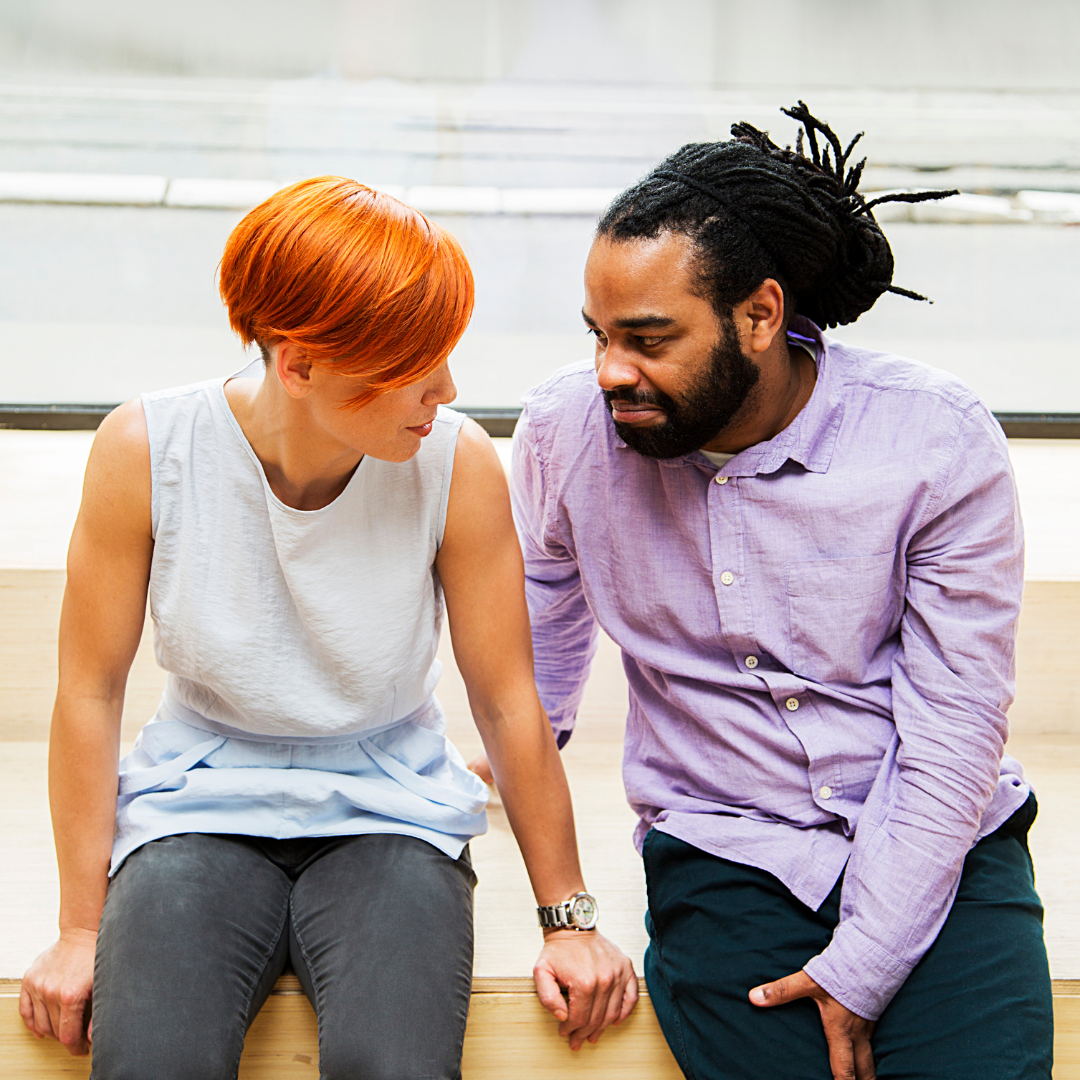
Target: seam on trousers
[316,982]
[255,982]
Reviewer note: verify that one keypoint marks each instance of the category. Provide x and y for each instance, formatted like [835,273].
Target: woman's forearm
[83,766]
[534,791]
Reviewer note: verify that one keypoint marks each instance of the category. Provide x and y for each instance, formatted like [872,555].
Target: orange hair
[366,285]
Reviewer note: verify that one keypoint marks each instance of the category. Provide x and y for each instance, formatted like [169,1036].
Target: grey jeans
[196,929]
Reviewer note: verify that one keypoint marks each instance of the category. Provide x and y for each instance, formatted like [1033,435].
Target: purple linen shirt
[818,637]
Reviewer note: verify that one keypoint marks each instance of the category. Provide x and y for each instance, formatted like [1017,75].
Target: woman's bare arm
[483,577]
[100,625]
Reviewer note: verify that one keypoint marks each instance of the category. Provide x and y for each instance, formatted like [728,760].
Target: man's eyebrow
[638,322]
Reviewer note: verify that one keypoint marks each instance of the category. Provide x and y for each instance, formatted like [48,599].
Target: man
[812,559]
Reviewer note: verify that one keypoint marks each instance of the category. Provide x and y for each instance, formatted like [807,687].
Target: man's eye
[595,333]
[648,342]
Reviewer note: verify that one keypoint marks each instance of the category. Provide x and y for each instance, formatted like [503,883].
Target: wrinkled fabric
[819,648]
[409,780]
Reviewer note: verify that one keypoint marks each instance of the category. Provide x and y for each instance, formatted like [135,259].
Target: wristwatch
[580,912]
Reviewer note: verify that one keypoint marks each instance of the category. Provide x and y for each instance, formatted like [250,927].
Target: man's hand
[56,991]
[847,1033]
[599,979]
[482,767]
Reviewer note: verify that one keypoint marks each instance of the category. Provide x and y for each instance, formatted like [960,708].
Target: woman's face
[388,427]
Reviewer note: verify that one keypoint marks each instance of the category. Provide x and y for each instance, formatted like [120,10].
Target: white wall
[929,44]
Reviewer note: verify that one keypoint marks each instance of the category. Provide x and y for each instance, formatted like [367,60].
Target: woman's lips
[422,429]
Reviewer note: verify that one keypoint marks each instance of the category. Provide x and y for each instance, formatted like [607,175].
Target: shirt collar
[809,439]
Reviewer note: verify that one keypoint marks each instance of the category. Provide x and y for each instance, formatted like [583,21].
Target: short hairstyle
[366,285]
[756,211]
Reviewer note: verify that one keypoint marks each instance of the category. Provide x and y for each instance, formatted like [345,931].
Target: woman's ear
[293,368]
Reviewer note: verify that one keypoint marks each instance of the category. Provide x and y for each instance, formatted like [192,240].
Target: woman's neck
[306,468]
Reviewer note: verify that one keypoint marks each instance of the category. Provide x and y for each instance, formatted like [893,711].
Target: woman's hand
[599,980]
[55,998]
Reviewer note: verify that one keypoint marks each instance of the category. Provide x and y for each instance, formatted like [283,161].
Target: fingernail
[757,996]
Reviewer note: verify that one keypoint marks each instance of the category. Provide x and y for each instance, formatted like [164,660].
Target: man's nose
[615,367]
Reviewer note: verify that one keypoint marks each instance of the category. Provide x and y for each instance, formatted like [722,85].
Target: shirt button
[826,792]
[727,577]
[791,704]
[751,661]
[721,479]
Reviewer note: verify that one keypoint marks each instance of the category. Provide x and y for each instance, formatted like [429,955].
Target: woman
[294,799]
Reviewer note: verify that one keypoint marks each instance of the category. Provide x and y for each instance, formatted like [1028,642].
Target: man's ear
[762,316]
[293,368]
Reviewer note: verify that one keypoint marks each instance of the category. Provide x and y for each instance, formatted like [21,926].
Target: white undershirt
[720,460]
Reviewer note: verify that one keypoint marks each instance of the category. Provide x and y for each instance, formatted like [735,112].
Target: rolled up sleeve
[952,681]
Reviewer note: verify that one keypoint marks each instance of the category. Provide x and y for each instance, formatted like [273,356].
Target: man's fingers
[549,992]
[482,768]
[841,1056]
[864,1059]
[790,988]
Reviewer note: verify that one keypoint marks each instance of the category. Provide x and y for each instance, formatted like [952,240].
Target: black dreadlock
[757,211]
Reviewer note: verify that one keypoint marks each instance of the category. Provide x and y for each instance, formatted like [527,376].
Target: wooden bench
[509,1034]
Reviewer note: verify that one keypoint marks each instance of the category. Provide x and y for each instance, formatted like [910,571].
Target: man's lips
[627,413]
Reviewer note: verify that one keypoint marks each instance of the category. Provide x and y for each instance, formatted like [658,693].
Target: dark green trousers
[977,1007]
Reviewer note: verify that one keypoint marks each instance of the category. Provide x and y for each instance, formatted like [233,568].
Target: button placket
[725,541]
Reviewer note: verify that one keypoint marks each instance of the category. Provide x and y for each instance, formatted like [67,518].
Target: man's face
[673,374]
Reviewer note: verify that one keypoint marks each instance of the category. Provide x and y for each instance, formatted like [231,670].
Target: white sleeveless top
[283,622]
[300,645]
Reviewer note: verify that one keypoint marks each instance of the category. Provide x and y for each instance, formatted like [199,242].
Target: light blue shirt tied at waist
[189,774]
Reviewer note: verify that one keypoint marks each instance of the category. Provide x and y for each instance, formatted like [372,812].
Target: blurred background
[133,136]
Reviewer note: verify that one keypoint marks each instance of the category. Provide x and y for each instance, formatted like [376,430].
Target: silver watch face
[583,911]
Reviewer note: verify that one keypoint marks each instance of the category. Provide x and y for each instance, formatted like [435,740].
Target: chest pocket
[841,612]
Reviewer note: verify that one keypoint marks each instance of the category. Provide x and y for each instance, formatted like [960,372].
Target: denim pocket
[841,611]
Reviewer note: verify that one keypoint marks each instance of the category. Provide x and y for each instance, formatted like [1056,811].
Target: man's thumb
[781,991]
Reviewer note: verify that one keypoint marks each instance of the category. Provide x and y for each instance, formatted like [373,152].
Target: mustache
[629,395]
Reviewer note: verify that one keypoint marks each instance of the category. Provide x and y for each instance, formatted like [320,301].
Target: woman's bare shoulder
[117,483]
[476,452]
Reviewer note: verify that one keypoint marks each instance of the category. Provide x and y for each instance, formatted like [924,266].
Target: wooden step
[509,1037]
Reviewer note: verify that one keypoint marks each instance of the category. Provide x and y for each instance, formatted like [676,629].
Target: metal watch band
[561,916]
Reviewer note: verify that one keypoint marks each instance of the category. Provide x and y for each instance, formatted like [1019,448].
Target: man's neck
[782,391]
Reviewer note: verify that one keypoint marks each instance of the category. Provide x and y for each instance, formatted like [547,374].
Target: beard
[705,409]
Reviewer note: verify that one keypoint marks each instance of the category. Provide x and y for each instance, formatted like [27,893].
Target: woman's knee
[360,1056]
[162,1051]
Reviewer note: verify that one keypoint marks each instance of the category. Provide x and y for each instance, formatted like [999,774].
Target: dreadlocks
[757,211]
